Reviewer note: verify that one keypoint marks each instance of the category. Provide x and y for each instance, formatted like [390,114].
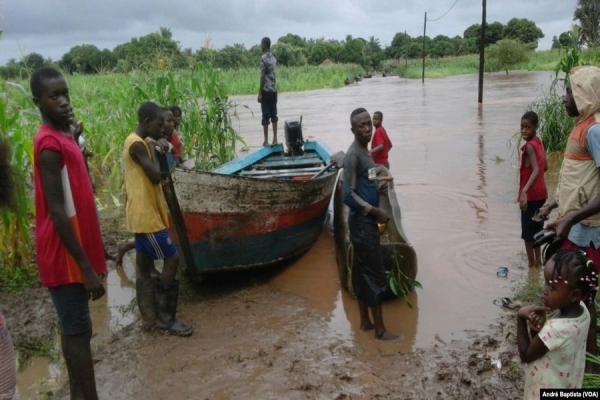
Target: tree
[85,59]
[149,49]
[507,53]
[33,61]
[373,53]
[166,33]
[353,51]
[233,57]
[288,55]
[440,47]
[493,33]
[399,45]
[523,30]
[564,40]
[587,15]
[324,50]
[293,40]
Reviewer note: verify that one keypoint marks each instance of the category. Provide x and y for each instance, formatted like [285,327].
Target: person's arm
[149,163]
[530,154]
[50,166]
[564,225]
[261,85]
[352,199]
[377,148]
[530,349]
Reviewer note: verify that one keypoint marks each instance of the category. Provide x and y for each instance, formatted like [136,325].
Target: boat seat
[313,161]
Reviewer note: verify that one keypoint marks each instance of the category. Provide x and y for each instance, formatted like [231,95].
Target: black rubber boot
[145,290]
[166,307]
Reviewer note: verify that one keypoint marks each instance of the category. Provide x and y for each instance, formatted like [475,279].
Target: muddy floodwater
[291,331]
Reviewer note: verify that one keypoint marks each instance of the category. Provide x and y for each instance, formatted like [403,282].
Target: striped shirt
[8,370]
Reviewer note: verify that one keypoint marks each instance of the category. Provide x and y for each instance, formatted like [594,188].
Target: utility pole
[481,55]
[424,34]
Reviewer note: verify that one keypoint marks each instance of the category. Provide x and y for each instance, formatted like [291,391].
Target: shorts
[268,106]
[529,227]
[71,304]
[369,278]
[157,245]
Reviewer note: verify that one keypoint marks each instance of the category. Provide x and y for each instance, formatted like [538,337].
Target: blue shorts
[71,304]
[157,245]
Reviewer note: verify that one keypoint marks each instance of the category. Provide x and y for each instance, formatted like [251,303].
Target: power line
[437,19]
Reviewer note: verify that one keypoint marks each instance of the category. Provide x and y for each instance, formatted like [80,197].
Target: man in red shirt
[69,248]
[380,144]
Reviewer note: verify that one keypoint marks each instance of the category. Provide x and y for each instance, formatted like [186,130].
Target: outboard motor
[293,136]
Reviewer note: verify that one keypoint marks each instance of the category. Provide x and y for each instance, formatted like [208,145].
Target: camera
[543,237]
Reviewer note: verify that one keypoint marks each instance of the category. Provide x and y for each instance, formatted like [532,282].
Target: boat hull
[395,246]
[237,222]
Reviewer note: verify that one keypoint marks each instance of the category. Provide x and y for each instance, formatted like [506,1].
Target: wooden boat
[395,246]
[259,209]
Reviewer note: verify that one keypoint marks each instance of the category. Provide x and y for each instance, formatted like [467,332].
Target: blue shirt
[362,194]
[583,235]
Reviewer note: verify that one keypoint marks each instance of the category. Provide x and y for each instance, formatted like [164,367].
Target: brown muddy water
[455,169]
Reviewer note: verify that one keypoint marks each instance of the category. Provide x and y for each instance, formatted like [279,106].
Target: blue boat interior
[274,163]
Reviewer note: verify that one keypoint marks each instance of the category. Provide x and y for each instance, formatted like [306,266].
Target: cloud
[51,28]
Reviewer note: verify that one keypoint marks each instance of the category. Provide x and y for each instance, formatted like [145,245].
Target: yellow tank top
[145,208]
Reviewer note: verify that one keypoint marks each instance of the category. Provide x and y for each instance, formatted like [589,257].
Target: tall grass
[554,122]
[17,119]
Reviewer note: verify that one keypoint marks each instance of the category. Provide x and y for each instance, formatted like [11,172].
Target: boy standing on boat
[361,195]
[147,219]
[267,90]
[381,143]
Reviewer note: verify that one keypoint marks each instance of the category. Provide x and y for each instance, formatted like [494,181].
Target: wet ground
[290,331]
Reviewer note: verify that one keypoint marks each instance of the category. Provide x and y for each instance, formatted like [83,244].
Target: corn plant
[18,124]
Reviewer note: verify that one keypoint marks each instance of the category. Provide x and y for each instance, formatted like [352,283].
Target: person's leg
[592,341]
[365,320]
[71,304]
[380,332]
[274,118]
[529,252]
[79,352]
[145,284]
[537,256]
[265,118]
[167,289]
[123,248]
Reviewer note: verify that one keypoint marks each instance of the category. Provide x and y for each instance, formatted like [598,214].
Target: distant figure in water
[532,186]
[8,370]
[361,195]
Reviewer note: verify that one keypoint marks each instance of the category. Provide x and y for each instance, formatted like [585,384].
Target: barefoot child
[532,186]
[147,219]
[69,249]
[381,143]
[554,349]
[361,195]
[267,90]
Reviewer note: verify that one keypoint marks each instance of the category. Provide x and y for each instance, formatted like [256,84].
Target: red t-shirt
[380,137]
[176,142]
[55,264]
[538,190]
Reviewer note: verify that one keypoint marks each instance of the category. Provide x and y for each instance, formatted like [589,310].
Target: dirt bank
[258,342]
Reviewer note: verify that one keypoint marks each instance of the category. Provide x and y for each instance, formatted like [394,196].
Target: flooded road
[455,165]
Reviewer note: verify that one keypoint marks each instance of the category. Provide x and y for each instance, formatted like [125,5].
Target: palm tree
[587,14]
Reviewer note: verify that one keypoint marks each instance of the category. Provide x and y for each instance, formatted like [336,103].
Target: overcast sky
[52,27]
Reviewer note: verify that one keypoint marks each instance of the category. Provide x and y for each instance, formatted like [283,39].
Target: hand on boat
[381,216]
